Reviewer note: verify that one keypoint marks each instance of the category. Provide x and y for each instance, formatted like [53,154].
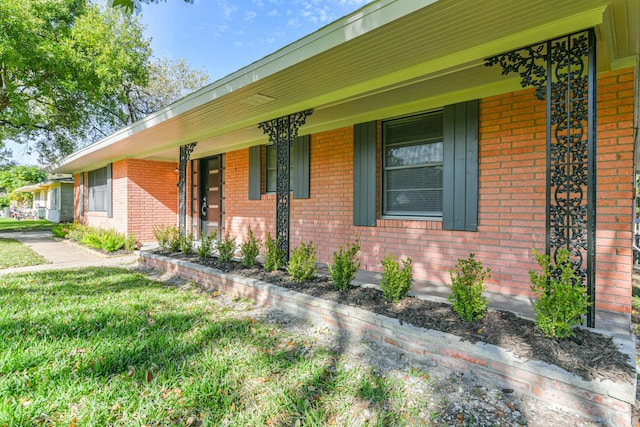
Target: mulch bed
[589,355]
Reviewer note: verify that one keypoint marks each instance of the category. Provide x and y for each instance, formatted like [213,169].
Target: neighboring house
[52,199]
[430,129]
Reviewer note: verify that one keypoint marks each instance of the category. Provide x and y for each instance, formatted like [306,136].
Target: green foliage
[274,256]
[98,238]
[467,287]
[72,78]
[345,265]
[167,236]
[17,176]
[396,283]
[561,299]
[302,265]
[250,249]
[130,243]
[112,241]
[61,230]
[227,248]
[128,6]
[206,244]
[186,243]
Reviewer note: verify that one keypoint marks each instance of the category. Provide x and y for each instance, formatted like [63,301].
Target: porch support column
[563,71]
[282,132]
[185,154]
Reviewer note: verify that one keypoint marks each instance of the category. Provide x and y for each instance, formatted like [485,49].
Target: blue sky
[222,36]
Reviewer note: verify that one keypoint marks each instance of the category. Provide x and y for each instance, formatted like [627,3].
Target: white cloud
[227,10]
[250,15]
[293,23]
[273,12]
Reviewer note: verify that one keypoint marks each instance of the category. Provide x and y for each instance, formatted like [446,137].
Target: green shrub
[274,256]
[561,299]
[250,249]
[186,243]
[302,265]
[77,231]
[345,265]
[396,283]
[467,287]
[227,248]
[61,230]
[130,243]
[91,238]
[111,241]
[167,236]
[206,244]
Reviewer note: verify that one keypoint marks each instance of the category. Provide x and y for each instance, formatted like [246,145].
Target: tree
[130,5]
[63,69]
[13,177]
[169,80]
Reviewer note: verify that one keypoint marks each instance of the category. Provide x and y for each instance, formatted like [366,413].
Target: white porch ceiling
[389,58]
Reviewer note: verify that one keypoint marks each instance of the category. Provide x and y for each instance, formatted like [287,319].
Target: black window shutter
[255,172]
[460,180]
[300,184]
[81,195]
[364,174]
[109,192]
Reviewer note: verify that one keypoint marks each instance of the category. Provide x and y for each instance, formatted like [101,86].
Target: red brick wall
[152,196]
[511,199]
[144,193]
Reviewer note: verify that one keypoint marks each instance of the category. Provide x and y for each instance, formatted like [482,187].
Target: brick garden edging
[602,401]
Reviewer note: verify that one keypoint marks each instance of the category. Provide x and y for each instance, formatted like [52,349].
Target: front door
[211,195]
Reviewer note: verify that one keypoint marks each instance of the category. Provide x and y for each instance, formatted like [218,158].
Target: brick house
[431,129]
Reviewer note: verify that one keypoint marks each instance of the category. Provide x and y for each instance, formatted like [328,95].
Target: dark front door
[211,195]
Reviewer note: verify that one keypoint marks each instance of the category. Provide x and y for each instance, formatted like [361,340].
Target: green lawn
[10,224]
[15,254]
[105,346]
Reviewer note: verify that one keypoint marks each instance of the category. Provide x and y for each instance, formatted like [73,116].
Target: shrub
[91,238]
[302,265]
[345,265]
[77,231]
[561,299]
[111,241]
[467,287]
[227,248]
[250,249]
[130,243]
[167,236]
[206,244]
[396,283]
[274,256]
[186,243]
[61,230]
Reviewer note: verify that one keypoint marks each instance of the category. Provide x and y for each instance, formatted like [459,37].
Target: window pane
[413,157]
[271,168]
[97,183]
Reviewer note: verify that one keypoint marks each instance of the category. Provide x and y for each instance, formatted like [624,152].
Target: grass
[15,254]
[106,346]
[10,224]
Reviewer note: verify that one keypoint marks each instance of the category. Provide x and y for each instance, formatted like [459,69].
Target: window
[97,184]
[270,167]
[413,157]
[429,168]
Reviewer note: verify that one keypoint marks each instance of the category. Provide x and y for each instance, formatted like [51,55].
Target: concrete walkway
[63,254]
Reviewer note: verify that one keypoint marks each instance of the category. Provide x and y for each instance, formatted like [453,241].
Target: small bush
[345,265]
[227,248]
[206,244]
[274,256]
[61,230]
[161,233]
[111,241]
[250,249]
[396,283]
[130,243]
[467,287]
[77,231]
[186,243]
[561,299]
[302,265]
[91,238]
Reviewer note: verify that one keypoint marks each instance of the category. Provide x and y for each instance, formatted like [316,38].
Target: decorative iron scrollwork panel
[282,132]
[185,155]
[562,71]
